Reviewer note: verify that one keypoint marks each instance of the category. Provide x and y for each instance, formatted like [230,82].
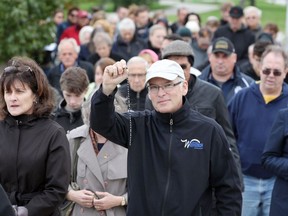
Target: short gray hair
[250,9]
[126,24]
[277,50]
[71,41]
[137,60]
[102,37]
[156,27]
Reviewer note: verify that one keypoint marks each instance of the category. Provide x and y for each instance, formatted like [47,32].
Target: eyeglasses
[17,69]
[167,87]
[142,75]
[267,72]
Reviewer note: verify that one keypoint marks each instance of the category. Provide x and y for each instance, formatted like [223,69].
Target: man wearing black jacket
[202,96]
[176,155]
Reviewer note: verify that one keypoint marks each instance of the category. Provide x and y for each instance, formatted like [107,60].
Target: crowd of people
[135,115]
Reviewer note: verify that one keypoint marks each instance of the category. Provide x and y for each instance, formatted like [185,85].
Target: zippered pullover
[173,161]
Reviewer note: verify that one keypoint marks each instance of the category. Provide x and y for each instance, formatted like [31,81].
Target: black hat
[223,45]
[265,37]
[236,12]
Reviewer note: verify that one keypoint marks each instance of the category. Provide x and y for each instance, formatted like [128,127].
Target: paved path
[193,7]
[200,7]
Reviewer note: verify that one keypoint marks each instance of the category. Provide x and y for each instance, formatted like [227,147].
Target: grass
[270,12]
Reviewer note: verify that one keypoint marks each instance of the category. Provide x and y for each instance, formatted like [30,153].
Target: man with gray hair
[127,44]
[175,154]
[252,16]
[68,51]
[137,67]
[202,96]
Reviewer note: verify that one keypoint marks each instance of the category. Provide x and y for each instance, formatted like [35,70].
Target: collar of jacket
[242,28]
[191,83]
[206,73]
[178,116]
[20,120]
[61,111]
[256,89]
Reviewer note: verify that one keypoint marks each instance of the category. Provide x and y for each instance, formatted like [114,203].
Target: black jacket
[55,73]
[68,120]
[35,163]
[241,40]
[128,50]
[209,101]
[5,205]
[137,99]
[93,58]
[174,160]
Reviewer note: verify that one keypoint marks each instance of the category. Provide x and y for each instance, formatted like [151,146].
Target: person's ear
[184,87]
[149,96]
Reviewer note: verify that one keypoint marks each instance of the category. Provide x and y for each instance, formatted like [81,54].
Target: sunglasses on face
[275,72]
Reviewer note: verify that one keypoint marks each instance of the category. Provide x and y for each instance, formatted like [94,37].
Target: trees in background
[26,27]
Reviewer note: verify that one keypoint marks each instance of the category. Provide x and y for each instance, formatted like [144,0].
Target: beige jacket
[106,172]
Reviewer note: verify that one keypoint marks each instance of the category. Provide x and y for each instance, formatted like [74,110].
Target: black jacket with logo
[209,101]
[173,161]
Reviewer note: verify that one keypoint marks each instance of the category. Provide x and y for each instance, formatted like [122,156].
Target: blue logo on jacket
[194,144]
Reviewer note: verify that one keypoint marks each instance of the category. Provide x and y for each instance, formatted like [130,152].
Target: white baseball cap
[166,69]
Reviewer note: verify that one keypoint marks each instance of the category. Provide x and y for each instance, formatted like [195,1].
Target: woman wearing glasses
[34,150]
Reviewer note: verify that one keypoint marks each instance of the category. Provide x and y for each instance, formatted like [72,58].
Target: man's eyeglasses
[267,72]
[167,87]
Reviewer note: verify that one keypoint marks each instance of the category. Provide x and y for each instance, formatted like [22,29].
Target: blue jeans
[257,196]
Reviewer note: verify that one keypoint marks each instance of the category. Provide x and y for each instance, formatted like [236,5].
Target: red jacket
[71,32]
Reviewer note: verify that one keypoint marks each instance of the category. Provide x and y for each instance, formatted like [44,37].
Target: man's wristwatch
[123,202]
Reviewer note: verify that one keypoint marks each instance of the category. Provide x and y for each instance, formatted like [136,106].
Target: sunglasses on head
[275,72]
[17,69]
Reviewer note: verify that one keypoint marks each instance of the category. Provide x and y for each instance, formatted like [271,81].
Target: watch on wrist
[123,202]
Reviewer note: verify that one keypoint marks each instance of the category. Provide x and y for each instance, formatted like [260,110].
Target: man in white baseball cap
[176,155]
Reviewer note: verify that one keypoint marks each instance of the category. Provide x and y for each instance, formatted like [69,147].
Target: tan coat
[106,172]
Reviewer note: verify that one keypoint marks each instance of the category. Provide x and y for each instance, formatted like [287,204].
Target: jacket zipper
[138,100]
[169,168]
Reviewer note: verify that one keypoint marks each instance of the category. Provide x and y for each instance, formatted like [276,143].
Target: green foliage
[130,2]
[26,27]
